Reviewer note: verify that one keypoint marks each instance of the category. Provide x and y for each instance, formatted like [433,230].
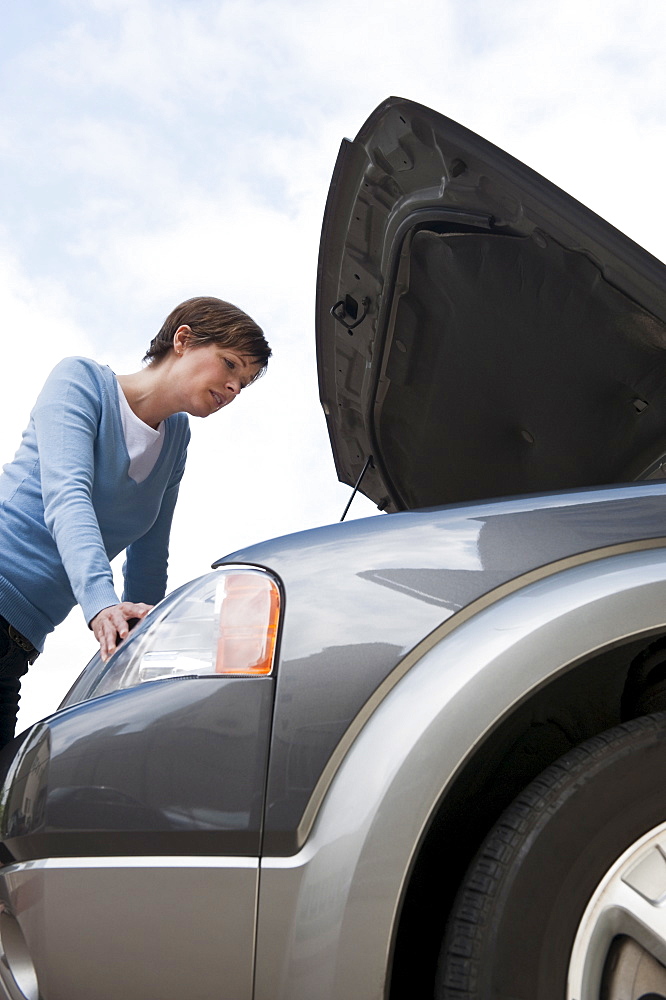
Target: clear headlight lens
[224,623]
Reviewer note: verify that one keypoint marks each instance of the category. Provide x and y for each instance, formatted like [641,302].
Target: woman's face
[209,377]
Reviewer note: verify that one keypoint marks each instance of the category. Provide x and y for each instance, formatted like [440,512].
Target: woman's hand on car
[111,625]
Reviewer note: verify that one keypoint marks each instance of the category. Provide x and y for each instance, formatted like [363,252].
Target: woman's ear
[181,339]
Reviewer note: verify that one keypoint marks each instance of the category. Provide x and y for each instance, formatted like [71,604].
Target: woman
[98,472]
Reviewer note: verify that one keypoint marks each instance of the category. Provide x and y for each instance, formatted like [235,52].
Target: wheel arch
[590,692]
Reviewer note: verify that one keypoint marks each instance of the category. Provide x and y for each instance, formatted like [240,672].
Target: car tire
[553,907]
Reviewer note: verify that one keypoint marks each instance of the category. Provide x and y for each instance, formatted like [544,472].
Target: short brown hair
[212,321]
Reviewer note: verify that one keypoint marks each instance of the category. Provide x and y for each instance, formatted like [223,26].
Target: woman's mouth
[219,401]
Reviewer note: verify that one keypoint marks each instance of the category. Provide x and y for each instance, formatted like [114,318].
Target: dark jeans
[14,662]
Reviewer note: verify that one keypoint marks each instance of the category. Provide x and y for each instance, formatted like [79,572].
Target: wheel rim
[619,952]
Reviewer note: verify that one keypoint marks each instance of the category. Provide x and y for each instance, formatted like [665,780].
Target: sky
[153,150]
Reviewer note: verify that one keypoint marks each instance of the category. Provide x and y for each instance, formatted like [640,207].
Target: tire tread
[472,912]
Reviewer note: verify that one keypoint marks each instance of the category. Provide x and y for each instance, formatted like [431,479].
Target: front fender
[327,914]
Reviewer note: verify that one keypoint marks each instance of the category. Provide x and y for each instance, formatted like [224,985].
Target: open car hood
[479,332]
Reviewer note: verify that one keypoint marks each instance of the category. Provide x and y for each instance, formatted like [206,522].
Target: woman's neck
[147,393]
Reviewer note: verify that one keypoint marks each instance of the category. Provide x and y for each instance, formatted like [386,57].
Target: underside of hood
[479,332]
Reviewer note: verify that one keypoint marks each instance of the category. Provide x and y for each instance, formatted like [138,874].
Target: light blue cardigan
[68,505]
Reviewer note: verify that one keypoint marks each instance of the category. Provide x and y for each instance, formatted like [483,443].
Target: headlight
[224,623]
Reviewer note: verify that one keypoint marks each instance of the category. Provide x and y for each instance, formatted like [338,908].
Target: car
[415,755]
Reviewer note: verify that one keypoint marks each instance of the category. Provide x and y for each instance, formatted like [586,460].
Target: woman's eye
[230,364]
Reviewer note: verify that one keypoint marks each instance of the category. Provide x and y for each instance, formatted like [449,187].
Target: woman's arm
[66,418]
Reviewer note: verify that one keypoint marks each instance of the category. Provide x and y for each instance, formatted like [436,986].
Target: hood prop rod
[368,465]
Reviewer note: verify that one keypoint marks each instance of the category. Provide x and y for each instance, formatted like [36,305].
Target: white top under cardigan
[142,441]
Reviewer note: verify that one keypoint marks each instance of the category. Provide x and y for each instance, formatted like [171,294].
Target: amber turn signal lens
[249,610]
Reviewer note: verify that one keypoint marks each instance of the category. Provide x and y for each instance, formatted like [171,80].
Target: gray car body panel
[361,595]
[168,767]
[129,927]
[327,915]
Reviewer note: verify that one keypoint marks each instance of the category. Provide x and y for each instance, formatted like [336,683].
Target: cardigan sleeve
[145,568]
[66,417]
